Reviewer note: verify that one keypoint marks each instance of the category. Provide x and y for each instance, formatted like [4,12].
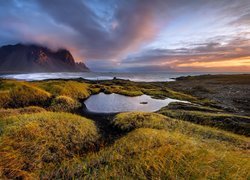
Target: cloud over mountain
[127,34]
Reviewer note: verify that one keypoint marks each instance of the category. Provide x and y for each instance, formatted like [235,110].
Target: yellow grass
[73,89]
[64,104]
[38,142]
[162,148]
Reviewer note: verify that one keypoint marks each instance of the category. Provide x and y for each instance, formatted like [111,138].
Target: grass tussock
[73,89]
[129,121]
[26,95]
[35,144]
[17,94]
[64,104]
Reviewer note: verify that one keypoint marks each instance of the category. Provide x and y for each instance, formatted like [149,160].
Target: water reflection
[113,103]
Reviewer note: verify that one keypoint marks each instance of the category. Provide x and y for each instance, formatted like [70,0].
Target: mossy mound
[37,143]
[64,104]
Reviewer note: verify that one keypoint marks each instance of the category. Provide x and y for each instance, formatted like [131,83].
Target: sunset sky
[136,35]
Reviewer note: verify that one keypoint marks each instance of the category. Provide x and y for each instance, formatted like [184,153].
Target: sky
[136,35]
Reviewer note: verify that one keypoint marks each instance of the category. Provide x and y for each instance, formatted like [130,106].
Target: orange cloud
[236,62]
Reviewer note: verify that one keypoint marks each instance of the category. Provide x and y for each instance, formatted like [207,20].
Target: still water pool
[113,103]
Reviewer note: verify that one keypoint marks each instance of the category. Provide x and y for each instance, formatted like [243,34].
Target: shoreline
[96,76]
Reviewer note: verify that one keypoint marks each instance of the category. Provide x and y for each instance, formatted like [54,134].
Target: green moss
[64,104]
[33,143]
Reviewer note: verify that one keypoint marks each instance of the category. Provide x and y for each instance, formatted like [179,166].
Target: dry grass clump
[64,104]
[17,94]
[26,95]
[73,89]
[38,143]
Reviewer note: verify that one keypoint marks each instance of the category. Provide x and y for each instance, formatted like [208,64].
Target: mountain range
[22,58]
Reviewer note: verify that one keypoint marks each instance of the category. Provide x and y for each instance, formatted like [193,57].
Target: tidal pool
[114,103]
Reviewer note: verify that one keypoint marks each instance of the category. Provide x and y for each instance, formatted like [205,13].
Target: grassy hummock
[162,148]
[133,120]
[64,104]
[35,145]
[16,94]
[73,89]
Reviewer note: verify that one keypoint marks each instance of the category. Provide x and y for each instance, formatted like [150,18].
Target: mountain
[21,58]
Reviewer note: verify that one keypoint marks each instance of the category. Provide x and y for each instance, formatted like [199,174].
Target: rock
[22,58]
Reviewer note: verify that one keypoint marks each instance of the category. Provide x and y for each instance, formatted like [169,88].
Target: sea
[137,77]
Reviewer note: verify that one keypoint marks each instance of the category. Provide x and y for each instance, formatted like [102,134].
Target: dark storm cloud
[133,23]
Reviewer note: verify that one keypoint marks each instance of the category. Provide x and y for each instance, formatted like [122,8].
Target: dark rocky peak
[31,58]
[65,56]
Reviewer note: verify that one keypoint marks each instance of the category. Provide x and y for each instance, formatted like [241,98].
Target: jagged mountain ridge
[34,58]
